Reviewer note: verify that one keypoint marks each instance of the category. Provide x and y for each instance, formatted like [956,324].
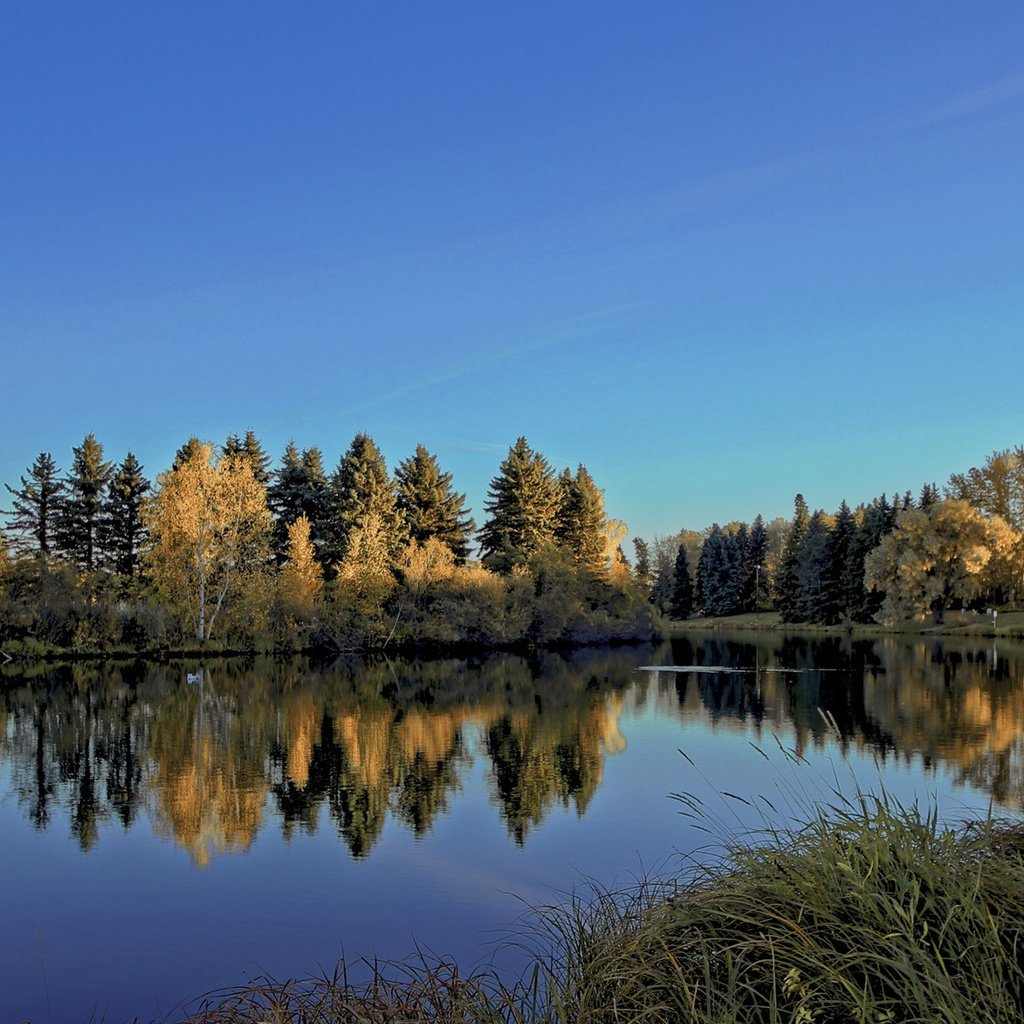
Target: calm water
[164,837]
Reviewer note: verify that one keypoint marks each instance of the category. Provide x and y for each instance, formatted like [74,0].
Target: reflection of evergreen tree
[520,801]
[543,758]
[425,784]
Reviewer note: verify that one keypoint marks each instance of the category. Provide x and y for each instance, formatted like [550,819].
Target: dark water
[163,837]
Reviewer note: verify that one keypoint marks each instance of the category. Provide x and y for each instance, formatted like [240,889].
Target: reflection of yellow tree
[963,715]
[208,786]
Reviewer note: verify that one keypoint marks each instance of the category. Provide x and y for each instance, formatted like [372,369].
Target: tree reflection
[359,743]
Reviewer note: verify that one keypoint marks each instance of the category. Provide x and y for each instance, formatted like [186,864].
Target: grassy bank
[869,913]
[1008,624]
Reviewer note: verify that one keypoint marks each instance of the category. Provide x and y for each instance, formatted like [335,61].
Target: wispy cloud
[976,101]
[574,330]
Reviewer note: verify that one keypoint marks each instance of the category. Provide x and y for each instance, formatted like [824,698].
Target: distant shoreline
[965,624]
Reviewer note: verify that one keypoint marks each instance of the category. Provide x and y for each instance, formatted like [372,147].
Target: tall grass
[870,912]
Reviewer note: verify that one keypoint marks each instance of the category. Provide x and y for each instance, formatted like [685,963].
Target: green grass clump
[869,913]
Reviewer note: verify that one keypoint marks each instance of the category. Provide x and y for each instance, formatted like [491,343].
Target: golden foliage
[934,555]
[209,530]
[302,578]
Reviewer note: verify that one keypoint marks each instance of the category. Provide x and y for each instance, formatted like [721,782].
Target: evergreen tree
[580,521]
[745,583]
[193,448]
[929,495]
[812,570]
[720,573]
[429,505]
[788,586]
[523,507]
[122,529]
[253,450]
[80,520]
[838,593]
[755,569]
[642,565]
[298,488]
[876,521]
[33,517]
[682,591]
[359,489]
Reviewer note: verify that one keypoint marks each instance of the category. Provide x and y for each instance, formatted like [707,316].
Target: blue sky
[718,253]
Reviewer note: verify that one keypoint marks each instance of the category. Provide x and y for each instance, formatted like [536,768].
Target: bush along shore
[870,912]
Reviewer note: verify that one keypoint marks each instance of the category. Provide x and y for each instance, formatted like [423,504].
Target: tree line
[221,545]
[883,560]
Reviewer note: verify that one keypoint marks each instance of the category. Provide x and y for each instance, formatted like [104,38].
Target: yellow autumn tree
[933,556]
[209,532]
[1005,570]
[302,579]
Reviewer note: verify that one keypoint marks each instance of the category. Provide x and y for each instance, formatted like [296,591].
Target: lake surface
[168,830]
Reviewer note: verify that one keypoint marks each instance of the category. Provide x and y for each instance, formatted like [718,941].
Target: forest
[223,551]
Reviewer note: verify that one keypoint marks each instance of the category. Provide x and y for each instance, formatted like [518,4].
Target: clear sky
[719,253]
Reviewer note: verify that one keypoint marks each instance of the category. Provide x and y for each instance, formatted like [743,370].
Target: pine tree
[580,521]
[298,488]
[682,591]
[839,596]
[360,489]
[876,521]
[812,570]
[755,570]
[253,450]
[32,520]
[193,448]
[80,520]
[429,505]
[929,495]
[122,530]
[523,506]
[720,573]
[788,592]
[642,565]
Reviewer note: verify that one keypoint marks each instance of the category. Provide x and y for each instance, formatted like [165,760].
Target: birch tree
[209,533]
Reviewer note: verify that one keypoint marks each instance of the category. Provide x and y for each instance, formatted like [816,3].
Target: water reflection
[212,761]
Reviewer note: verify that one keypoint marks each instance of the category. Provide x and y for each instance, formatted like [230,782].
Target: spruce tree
[875,521]
[812,570]
[298,488]
[430,506]
[360,489]
[123,530]
[929,495]
[580,521]
[80,520]
[839,595]
[788,590]
[642,565]
[755,571]
[682,590]
[522,507]
[32,519]
[720,573]
[253,450]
